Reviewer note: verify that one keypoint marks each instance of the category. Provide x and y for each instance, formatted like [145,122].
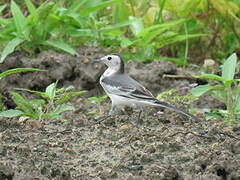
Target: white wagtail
[125,91]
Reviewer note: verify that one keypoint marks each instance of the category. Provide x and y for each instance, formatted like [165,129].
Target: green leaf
[11,113]
[160,27]
[63,108]
[10,48]
[76,93]
[61,45]
[23,105]
[18,70]
[210,76]
[229,66]
[43,94]
[57,112]
[37,102]
[30,6]
[116,26]
[88,10]
[51,91]
[76,5]
[200,90]
[20,21]
[228,83]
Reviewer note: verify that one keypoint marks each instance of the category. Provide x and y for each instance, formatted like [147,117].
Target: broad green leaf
[11,113]
[57,112]
[30,6]
[51,91]
[200,90]
[210,76]
[10,48]
[43,11]
[17,70]
[23,105]
[63,108]
[20,21]
[61,45]
[229,66]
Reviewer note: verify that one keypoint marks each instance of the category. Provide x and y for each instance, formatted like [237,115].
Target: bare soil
[164,147]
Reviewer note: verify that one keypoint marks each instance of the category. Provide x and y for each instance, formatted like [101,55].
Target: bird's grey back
[125,83]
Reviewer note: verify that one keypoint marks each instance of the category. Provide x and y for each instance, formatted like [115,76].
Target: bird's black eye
[109,58]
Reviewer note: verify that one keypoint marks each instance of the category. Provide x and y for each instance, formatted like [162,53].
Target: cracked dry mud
[165,147]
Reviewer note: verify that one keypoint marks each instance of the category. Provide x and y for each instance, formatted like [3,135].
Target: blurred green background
[182,31]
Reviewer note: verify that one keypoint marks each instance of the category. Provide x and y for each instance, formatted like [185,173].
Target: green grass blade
[116,26]
[200,90]
[76,5]
[11,113]
[10,48]
[44,95]
[210,76]
[30,6]
[164,26]
[61,45]
[229,66]
[20,21]
[17,70]
[88,10]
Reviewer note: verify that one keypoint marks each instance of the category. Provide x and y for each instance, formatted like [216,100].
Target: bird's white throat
[110,71]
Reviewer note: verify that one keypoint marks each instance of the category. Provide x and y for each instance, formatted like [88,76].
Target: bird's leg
[110,113]
[112,110]
[139,120]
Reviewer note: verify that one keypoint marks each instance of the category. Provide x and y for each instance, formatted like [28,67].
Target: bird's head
[113,61]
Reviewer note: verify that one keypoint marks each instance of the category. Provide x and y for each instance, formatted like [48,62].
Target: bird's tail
[173,108]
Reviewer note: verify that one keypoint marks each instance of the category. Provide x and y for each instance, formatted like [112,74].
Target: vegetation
[97,101]
[11,72]
[51,105]
[225,88]
[146,30]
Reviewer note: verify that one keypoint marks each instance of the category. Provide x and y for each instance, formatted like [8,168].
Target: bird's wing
[125,86]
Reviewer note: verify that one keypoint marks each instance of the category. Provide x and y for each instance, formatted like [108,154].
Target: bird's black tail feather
[173,108]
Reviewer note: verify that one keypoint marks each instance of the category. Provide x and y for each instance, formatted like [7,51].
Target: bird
[123,90]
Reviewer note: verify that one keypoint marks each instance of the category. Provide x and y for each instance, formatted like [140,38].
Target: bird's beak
[96,60]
